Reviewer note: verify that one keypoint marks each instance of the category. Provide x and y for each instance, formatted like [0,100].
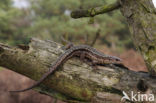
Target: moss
[80,92]
[70,87]
[142,26]
[44,90]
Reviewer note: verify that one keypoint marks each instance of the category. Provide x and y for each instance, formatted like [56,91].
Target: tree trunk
[75,81]
[141,17]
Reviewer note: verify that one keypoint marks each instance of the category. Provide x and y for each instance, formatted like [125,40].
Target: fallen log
[75,81]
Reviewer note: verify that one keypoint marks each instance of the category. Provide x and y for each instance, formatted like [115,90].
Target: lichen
[143,28]
[70,87]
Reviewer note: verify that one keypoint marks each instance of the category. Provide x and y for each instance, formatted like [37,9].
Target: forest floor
[12,81]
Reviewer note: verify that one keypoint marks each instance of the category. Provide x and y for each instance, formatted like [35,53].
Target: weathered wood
[74,81]
[141,17]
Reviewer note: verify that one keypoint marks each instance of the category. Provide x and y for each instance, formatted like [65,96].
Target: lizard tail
[31,87]
[38,82]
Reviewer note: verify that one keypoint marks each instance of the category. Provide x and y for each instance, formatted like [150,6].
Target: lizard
[82,52]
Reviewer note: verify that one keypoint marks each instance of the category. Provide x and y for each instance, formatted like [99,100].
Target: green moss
[142,27]
[93,12]
[71,88]
[43,89]
[151,59]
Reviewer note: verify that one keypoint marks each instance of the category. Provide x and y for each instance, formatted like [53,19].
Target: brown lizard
[81,51]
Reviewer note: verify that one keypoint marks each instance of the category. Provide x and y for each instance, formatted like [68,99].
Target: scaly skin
[81,51]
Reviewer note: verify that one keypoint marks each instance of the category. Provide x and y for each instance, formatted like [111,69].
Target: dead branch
[75,81]
[95,11]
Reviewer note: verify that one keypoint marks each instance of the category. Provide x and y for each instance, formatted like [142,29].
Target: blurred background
[21,20]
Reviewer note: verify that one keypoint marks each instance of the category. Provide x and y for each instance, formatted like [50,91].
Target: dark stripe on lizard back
[88,51]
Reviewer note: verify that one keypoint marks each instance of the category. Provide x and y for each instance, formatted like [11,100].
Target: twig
[95,11]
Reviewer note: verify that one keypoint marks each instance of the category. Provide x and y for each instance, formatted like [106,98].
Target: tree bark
[74,81]
[141,17]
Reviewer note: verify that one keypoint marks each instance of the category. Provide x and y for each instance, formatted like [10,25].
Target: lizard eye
[118,60]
